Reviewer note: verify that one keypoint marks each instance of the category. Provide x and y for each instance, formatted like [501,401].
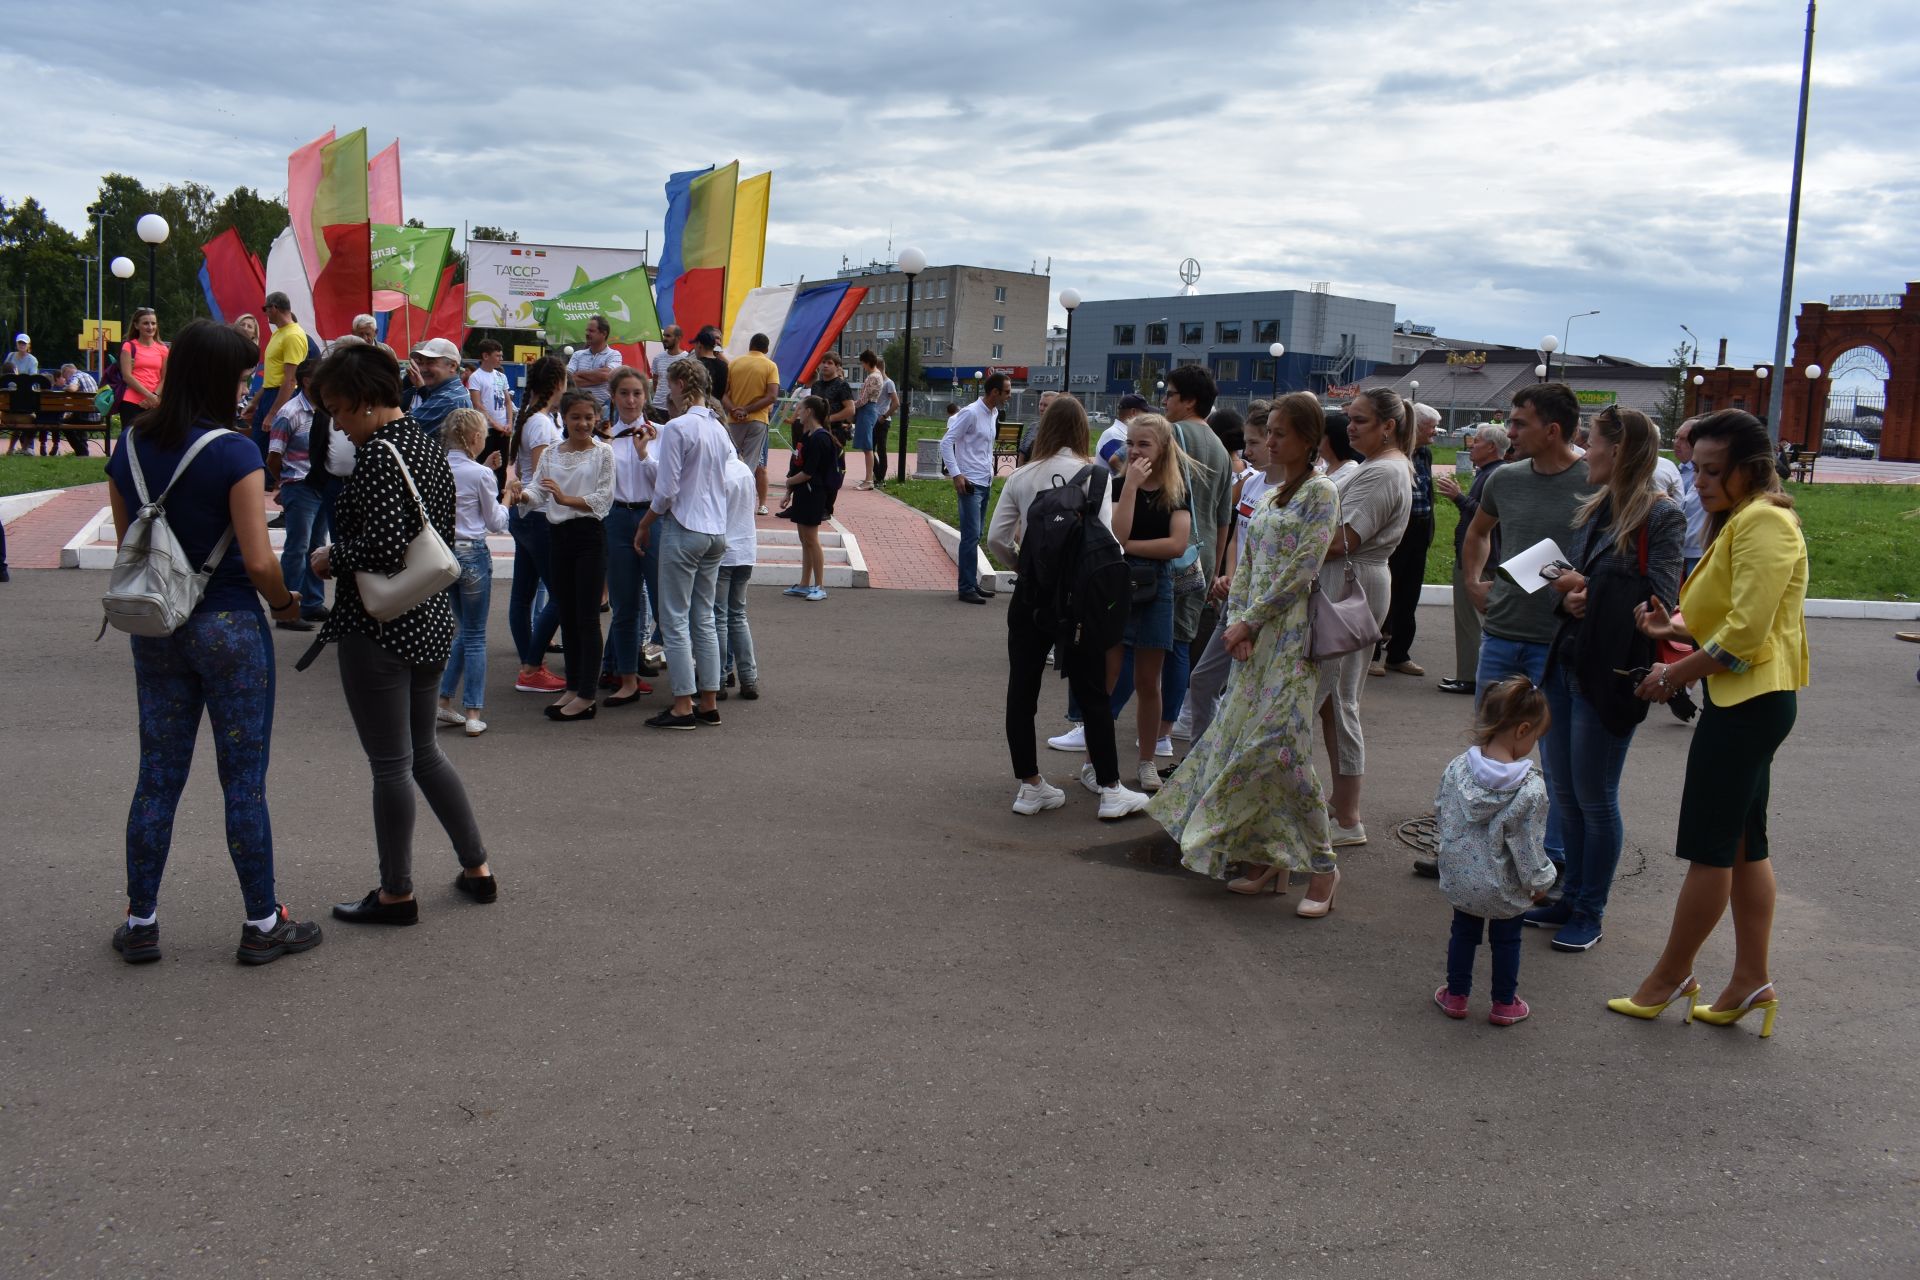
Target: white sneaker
[447,715]
[1118,802]
[475,728]
[1163,747]
[1355,834]
[1089,779]
[1183,727]
[1035,796]
[1149,776]
[1074,739]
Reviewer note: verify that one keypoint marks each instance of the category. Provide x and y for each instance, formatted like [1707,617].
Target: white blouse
[585,473]
[633,475]
[476,511]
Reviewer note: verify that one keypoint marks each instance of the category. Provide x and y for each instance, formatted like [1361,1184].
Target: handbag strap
[418,502]
[219,551]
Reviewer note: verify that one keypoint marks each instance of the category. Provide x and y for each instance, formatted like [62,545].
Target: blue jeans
[1500,658]
[627,572]
[730,622]
[220,663]
[263,425]
[470,597]
[1583,769]
[304,523]
[973,518]
[532,569]
[689,571]
[1503,944]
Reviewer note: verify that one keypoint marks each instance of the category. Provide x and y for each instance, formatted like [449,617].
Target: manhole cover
[1421,833]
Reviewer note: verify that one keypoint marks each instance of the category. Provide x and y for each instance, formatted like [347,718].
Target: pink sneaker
[1450,1004]
[1505,1015]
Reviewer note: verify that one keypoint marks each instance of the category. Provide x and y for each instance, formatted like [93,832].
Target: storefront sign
[1596,399]
[1864,301]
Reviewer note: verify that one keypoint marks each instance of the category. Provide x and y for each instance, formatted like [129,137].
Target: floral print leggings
[222,662]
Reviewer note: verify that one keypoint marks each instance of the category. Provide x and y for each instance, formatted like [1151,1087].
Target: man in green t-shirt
[1531,499]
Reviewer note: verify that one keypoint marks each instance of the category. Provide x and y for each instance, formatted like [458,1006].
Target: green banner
[410,260]
[1592,399]
[626,300]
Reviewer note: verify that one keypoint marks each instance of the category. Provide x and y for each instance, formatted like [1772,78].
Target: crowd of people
[1267,526]
[1254,570]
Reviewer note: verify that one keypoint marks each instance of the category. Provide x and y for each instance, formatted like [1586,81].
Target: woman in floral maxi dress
[1247,792]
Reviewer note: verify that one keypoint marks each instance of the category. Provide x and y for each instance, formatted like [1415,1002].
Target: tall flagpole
[1777,390]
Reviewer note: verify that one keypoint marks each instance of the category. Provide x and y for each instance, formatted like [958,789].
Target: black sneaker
[729,681]
[749,692]
[370,910]
[667,720]
[263,946]
[299,624]
[1428,867]
[137,943]
[479,888]
[707,717]
[720,695]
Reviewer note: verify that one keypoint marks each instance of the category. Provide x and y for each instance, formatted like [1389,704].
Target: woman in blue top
[221,658]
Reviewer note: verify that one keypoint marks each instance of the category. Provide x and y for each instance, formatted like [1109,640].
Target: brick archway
[1821,336]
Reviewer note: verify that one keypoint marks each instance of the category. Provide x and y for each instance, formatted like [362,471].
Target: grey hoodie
[1493,823]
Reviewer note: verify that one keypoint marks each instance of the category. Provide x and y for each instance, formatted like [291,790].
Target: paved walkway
[901,552]
[34,540]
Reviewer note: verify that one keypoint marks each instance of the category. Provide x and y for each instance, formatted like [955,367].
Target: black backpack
[1073,579]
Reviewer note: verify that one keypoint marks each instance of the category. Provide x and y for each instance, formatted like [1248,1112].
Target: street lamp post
[1694,356]
[1070,299]
[1569,339]
[122,267]
[153,229]
[1277,350]
[1793,232]
[1548,345]
[912,262]
[1814,442]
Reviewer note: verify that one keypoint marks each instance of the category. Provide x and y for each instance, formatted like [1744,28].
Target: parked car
[1845,442]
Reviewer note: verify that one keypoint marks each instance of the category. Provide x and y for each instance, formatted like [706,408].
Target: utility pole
[1778,389]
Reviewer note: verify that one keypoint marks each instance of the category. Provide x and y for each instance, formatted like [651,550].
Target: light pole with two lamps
[153,229]
[1277,350]
[1814,441]
[1569,338]
[122,268]
[1548,345]
[912,263]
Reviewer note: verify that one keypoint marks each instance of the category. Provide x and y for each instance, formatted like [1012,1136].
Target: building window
[999,324]
[1123,370]
[1227,332]
[1267,331]
[1192,333]
[943,288]
[943,318]
[1263,371]
[1123,335]
[999,352]
[1157,334]
[1000,293]
[1192,362]
[1151,369]
[1227,371]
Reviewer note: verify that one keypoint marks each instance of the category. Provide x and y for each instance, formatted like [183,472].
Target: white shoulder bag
[430,566]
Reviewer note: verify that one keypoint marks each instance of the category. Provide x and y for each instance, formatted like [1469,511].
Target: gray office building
[1122,343]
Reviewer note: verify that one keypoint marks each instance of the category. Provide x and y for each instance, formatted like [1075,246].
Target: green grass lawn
[21,474]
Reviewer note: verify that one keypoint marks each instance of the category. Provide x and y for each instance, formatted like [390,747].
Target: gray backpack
[155,587]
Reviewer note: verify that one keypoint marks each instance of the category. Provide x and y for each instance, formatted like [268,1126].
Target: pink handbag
[1336,627]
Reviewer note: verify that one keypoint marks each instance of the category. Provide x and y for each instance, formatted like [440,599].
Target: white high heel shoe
[1313,910]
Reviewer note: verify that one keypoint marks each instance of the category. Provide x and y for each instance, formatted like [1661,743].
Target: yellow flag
[749,255]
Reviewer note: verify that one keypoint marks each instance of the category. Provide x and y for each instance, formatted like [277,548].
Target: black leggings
[579,571]
[1027,648]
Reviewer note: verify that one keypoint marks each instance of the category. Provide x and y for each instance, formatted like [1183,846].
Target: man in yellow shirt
[286,350]
[753,384]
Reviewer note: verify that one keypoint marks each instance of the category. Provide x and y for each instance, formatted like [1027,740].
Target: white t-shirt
[494,400]
[1251,490]
[743,541]
[661,363]
[1112,441]
[585,361]
[540,430]
[888,394]
[1666,478]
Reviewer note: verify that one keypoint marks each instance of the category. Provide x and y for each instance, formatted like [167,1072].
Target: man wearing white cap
[21,359]
[437,391]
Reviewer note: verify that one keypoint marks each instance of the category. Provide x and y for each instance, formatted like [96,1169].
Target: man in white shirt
[670,339]
[736,570]
[690,506]
[594,365]
[889,405]
[966,450]
[487,387]
[1112,447]
[1689,500]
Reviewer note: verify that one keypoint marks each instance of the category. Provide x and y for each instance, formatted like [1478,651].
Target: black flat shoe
[370,910]
[479,888]
[555,713]
[301,624]
[288,936]
[707,717]
[1458,686]
[623,699]
[667,720]
[137,943]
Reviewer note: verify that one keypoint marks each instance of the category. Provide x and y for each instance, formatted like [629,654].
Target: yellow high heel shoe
[1727,1017]
[1689,988]
[1275,881]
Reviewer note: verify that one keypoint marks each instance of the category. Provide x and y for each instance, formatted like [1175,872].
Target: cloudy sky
[1487,166]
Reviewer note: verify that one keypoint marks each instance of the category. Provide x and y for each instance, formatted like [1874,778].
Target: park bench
[1800,464]
[27,409]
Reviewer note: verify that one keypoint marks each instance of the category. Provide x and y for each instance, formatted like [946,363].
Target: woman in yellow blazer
[1744,607]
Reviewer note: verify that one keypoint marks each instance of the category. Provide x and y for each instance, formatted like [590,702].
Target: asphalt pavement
[799,996]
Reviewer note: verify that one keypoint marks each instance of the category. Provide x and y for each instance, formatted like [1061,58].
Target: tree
[1150,373]
[493,233]
[1673,400]
[915,379]
[259,219]
[42,281]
